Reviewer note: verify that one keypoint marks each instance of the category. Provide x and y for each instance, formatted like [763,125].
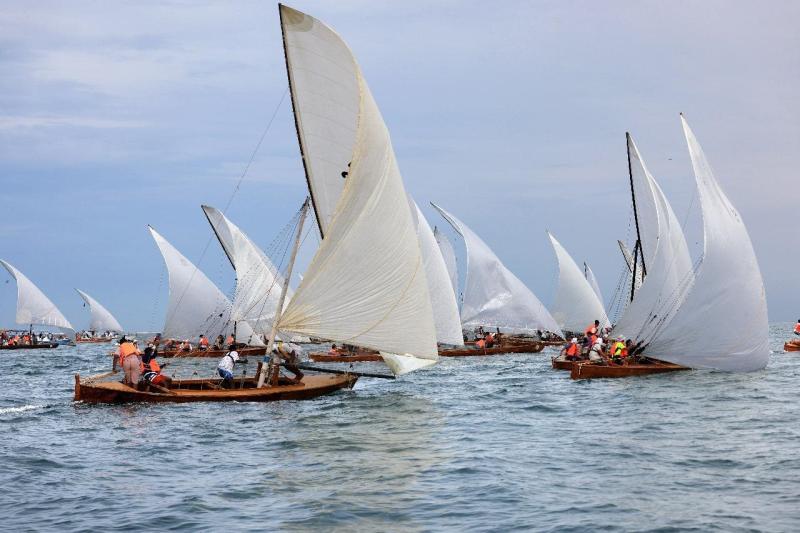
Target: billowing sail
[258,282]
[33,307]
[366,284]
[493,296]
[449,256]
[443,299]
[669,266]
[196,306]
[576,304]
[722,322]
[587,271]
[324,81]
[101,318]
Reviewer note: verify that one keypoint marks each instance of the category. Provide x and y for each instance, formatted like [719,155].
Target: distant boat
[34,308]
[101,321]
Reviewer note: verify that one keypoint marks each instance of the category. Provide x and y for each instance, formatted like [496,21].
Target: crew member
[130,361]
[797,328]
[152,370]
[597,352]
[203,344]
[289,356]
[225,366]
[618,349]
[591,332]
[571,351]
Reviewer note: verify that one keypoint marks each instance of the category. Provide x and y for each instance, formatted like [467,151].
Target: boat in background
[792,346]
[33,308]
[101,320]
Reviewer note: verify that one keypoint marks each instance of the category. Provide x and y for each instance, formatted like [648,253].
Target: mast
[297,126]
[635,218]
[274,360]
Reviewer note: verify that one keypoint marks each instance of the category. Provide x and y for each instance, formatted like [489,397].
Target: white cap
[574,340]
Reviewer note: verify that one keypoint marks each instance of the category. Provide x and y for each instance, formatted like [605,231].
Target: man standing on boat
[225,367]
[130,361]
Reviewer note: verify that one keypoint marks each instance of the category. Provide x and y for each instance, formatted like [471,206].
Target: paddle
[332,371]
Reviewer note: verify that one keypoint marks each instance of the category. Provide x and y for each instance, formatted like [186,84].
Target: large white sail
[366,284]
[101,318]
[33,307]
[449,256]
[590,277]
[722,322]
[258,282]
[324,82]
[627,255]
[493,295]
[443,299]
[669,265]
[196,306]
[576,304]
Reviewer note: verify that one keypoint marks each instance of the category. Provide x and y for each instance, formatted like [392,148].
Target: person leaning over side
[130,361]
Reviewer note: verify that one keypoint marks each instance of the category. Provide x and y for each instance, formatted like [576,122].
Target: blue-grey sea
[485,444]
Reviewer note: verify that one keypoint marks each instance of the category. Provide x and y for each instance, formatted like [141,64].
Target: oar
[332,371]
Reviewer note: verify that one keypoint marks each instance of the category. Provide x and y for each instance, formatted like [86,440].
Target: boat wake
[20,409]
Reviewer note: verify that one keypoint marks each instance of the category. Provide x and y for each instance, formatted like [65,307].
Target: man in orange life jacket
[203,344]
[130,361]
[591,332]
[797,328]
[571,350]
[152,370]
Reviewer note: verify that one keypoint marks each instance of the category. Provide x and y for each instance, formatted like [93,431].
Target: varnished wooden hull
[320,357]
[93,341]
[201,390]
[791,346]
[586,370]
[39,346]
[531,347]
[243,352]
[559,363]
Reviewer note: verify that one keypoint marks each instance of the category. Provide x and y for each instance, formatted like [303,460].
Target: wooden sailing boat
[101,321]
[380,301]
[33,308]
[686,312]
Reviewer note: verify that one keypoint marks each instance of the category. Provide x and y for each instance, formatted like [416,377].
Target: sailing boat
[381,301]
[33,308]
[195,307]
[101,321]
[495,298]
[683,314]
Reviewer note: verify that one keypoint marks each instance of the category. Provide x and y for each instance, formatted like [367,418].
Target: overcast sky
[511,115]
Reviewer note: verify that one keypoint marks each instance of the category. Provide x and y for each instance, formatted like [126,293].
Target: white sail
[590,277]
[33,307]
[366,284]
[443,299]
[324,81]
[669,266]
[722,322]
[258,282]
[576,304]
[449,256]
[627,255]
[196,306]
[493,296]
[101,318]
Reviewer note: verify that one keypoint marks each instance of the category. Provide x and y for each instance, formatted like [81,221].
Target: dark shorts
[224,374]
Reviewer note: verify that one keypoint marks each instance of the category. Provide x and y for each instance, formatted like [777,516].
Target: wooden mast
[274,359]
[637,249]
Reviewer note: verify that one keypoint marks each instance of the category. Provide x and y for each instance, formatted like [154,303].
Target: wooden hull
[243,352]
[320,357]
[208,390]
[531,347]
[93,341]
[791,346]
[592,371]
[560,363]
[39,346]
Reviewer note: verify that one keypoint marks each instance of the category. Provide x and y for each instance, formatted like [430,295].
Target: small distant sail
[576,303]
[493,296]
[669,265]
[33,307]
[722,322]
[443,299]
[258,282]
[366,285]
[587,271]
[449,255]
[101,318]
[196,306]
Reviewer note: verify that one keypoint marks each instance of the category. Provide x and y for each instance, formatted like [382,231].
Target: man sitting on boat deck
[619,350]
[203,343]
[152,370]
[597,352]
[571,352]
[333,350]
[225,366]
[219,343]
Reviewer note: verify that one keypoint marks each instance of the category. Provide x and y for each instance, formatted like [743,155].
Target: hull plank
[528,347]
[586,370]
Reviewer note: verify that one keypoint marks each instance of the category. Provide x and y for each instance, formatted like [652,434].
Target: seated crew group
[597,348]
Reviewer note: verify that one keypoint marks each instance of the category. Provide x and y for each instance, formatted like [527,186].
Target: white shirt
[226,363]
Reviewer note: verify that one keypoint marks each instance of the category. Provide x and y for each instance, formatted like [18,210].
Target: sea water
[475,444]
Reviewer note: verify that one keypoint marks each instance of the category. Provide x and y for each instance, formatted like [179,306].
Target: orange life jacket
[204,342]
[153,366]
[572,349]
[127,349]
[591,330]
[797,328]
[480,343]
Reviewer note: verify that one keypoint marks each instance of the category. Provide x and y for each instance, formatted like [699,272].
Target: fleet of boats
[384,286]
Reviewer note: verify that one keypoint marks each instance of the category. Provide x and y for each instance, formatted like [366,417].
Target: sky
[511,115]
